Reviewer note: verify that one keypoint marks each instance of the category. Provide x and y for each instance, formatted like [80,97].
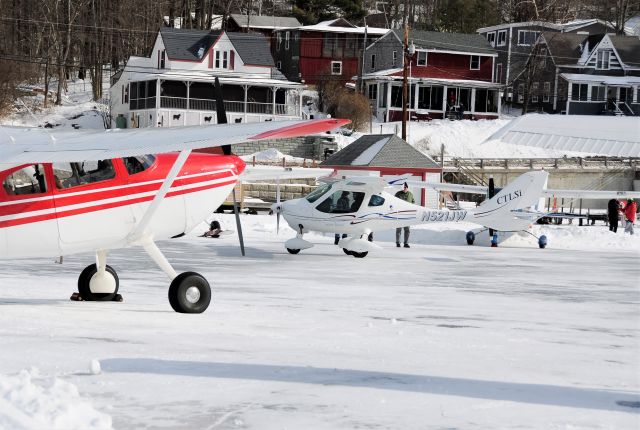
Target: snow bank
[270,155]
[28,401]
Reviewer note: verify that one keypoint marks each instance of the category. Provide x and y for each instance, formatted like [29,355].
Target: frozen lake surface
[441,335]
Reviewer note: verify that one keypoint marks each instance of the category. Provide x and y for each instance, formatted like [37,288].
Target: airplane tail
[523,192]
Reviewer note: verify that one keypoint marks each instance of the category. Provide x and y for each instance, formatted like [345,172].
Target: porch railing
[229,105]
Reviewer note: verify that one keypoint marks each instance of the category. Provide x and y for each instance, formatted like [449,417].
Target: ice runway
[437,336]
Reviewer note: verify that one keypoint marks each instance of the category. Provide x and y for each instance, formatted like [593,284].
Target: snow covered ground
[441,335]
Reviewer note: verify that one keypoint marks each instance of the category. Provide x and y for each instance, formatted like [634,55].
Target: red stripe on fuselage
[111,205]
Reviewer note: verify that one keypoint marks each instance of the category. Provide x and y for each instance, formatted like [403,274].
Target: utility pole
[406,58]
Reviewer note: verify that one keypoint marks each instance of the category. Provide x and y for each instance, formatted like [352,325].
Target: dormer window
[421,59]
[161,58]
[475,62]
[602,60]
[200,52]
[221,60]
[491,38]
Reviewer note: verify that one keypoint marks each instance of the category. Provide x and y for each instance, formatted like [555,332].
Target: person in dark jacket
[613,210]
[407,196]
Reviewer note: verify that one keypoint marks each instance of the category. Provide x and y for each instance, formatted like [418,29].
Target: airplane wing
[591,194]
[459,188]
[36,145]
[262,173]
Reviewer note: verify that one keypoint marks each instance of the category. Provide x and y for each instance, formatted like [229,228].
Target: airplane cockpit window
[318,192]
[342,202]
[139,163]
[28,180]
[376,200]
[74,174]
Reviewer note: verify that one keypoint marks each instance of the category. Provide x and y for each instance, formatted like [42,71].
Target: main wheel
[293,251]
[189,293]
[88,282]
[359,254]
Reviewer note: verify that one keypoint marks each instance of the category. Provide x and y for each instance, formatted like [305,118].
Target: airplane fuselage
[392,213]
[60,211]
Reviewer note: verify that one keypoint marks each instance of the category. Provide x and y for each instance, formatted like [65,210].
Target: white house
[175,84]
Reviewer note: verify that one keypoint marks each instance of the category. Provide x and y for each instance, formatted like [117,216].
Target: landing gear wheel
[87,277]
[189,293]
[293,251]
[346,251]
[359,254]
[542,241]
[471,237]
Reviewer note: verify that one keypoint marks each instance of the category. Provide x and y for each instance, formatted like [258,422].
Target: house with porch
[327,50]
[175,85]
[583,74]
[448,73]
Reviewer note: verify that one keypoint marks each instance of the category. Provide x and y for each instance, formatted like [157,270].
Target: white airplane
[64,193]
[370,208]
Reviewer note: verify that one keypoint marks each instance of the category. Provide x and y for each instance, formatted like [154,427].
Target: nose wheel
[98,287]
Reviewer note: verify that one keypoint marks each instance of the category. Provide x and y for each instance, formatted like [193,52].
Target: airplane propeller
[226,150]
[278,208]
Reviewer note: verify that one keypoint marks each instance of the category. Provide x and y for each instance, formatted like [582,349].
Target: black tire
[359,254]
[293,251]
[180,289]
[84,289]
[346,251]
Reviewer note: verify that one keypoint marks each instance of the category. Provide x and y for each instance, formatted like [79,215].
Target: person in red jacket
[630,210]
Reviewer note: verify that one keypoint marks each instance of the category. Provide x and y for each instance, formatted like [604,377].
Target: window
[222,60]
[502,37]
[491,38]
[395,58]
[138,163]
[521,93]
[336,67]
[373,91]
[534,92]
[286,40]
[527,37]
[499,72]
[278,40]
[597,93]
[70,175]
[161,59]
[327,45]
[421,58]
[546,92]
[396,96]
[373,61]
[350,44]
[475,62]
[579,92]
[279,65]
[318,192]
[28,180]
[376,200]
[543,56]
[602,60]
[143,95]
[342,202]
[430,97]
[486,100]
[382,100]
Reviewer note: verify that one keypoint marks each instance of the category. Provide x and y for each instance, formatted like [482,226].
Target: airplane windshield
[318,192]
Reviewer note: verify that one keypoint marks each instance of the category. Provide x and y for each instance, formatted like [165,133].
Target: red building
[327,50]
[450,75]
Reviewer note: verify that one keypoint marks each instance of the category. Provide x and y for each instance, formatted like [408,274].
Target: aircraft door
[28,226]
[92,206]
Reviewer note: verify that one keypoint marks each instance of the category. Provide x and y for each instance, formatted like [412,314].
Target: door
[92,205]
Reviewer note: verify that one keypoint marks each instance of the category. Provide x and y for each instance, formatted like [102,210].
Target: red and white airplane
[68,192]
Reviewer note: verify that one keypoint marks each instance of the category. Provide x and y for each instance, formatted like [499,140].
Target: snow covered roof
[602,135]
[265,21]
[632,26]
[381,150]
[580,23]
[396,74]
[228,78]
[341,25]
[539,24]
[602,79]
[628,49]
